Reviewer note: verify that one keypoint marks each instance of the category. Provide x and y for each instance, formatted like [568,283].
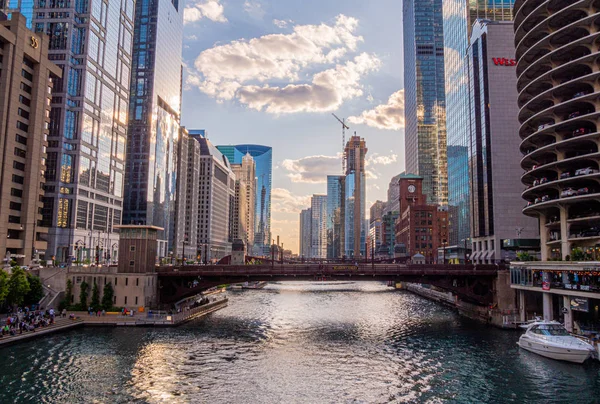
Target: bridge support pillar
[522,306]
[548,309]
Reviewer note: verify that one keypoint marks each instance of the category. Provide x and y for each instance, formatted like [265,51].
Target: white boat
[552,340]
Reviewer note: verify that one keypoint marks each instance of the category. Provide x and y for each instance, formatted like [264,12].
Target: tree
[95,297]
[36,290]
[577,254]
[524,256]
[18,287]
[107,296]
[83,295]
[3,285]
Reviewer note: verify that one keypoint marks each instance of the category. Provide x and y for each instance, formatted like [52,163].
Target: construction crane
[344,127]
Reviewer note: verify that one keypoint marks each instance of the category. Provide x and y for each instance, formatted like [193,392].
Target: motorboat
[552,340]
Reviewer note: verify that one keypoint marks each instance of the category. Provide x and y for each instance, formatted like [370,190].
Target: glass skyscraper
[25,7]
[335,215]
[459,17]
[154,118]
[91,42]
[425,96]
[263,156]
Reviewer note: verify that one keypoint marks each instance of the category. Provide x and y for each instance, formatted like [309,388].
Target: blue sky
[272,72]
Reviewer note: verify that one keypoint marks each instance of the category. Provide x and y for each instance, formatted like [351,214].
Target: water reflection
[296,342]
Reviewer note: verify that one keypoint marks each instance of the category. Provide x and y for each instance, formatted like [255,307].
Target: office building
[245,174]
[26,77]
[422,228]
[23,7]
[154,119]
[188,197]
[335,215]
[376,211]
[263,157]
[91,44]
[459,17]
[425,97]
[318,229]
[216,193]
[388,233]
[498,227]
[557,86]
[393,195]
[305,233]
[355,222]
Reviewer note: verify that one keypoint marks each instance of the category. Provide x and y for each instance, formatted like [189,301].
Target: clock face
[411,188]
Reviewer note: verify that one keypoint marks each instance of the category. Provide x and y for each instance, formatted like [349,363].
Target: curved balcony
[557,185]
[536,151]
[535,208]
[552,168]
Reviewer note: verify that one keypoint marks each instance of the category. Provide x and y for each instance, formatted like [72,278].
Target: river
[296,342]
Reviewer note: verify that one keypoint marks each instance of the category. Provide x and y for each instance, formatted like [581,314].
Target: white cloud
[254,9]
[244,69]
[283,201]
[376,158]
[313,169]
[328,90]
[385,116]
[211,9]
[280,23]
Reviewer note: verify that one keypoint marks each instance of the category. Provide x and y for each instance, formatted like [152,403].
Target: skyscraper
[459,17]
[425,97]
[335,215]
[154,107]
[305,233]
[90,41]
[263,157]
[23,7]
[318,243]
[245,174]
[355,223]
[26,75]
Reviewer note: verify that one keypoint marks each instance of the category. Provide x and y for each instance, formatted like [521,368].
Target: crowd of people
[27,320]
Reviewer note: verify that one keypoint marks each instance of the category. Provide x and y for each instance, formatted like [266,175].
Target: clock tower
[411,191]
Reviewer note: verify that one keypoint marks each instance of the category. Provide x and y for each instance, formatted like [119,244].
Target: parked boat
[552,340]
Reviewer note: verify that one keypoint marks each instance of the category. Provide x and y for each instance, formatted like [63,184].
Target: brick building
[423,228]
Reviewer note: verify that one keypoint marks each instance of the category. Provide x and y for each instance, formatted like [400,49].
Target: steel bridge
[474,283]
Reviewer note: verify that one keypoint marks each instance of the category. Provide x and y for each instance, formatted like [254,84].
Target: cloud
[376,158]
[385,116]
[254,9]
[454,72]
[312,169]
[211,9]
[281,23]
[246,69]
[283,201]
[328,90]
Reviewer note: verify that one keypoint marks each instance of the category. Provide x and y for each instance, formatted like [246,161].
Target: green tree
[577,254]
[36,290]
[18,287]
[83,295]
[3,285]
[95,297]
[524,256]
[107,297]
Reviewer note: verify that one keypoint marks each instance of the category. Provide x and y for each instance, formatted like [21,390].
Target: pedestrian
[64,313]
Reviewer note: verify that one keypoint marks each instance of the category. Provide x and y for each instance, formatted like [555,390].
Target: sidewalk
[60,324]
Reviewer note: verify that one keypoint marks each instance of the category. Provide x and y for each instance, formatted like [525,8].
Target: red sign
[504,62]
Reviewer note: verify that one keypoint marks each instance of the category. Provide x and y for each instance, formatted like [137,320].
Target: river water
[296,343]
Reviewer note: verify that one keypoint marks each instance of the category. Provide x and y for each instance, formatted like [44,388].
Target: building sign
[504,62]
[34,42]
[579,304]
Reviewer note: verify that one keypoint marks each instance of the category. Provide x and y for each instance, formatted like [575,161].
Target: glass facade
[351,231]
[459,17]
[154,116]
[263,156]
[335,215]
[91,42]
[425,96]
[25,7]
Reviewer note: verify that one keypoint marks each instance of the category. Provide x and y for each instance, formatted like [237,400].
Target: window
[132,248]
[23,113]
[17,179]
[22,126]
[27,75]
[16,192]
[20,152]
[15,206]
[136,300]
[126,281]
[24,100]
[116,279]
[21,139]
[26,88]
[14,219]
[28,62]
[18,166]
[137,282]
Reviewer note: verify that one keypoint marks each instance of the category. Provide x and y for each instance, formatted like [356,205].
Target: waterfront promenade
[117,320]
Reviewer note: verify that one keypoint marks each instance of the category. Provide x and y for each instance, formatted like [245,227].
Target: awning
[489,255]
[476,255]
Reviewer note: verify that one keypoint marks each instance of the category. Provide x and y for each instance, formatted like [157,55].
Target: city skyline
[306,141]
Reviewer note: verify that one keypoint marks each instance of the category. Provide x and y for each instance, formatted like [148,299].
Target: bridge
[474,283]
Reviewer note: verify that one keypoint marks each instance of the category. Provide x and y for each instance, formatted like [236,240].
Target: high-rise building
[26,77]
[305,233]
[216,194]
[263,157]
[376,211]
[388,233]
[90,41]
[425,96]
[355,223]
[495,184]
[188,197]
[154,118]
[245,195]
[375,237]
[459,17]
[335,216]
[393,195]
[318,244]
[23,7]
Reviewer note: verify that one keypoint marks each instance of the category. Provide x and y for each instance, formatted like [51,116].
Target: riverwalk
[117,320]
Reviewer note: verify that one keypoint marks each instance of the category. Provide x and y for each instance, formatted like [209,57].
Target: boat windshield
[550,329]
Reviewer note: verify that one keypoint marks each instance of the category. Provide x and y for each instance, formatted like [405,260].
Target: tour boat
[552,340]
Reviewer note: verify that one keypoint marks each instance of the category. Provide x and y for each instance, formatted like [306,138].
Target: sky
[273,72]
